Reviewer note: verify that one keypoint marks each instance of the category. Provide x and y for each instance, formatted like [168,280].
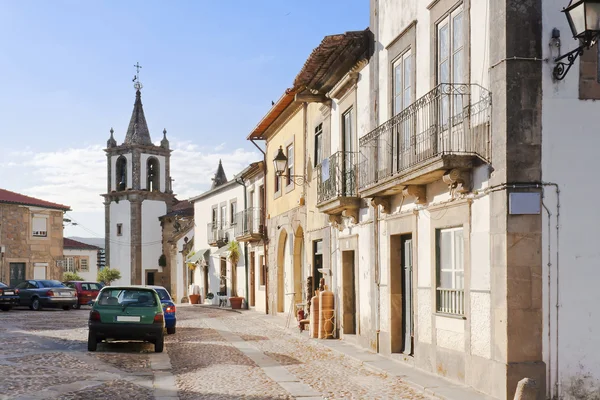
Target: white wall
[151,235]
[144,173]
[113,166]
[92,274]
[181,269]
[120,246]
[569,146]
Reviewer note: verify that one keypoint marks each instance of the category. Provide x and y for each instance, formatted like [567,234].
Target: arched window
[152,174]
[121,173]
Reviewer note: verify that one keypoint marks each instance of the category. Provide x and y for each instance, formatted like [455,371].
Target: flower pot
[194,298]
[236,302]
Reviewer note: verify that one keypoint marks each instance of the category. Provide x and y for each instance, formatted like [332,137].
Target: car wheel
[159,345]
[66,308]
[5,308]
[171,330]
[92,342]
[76,306]
[35,304]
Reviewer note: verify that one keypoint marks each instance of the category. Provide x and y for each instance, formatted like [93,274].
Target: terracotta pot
[194,298]
[236,302]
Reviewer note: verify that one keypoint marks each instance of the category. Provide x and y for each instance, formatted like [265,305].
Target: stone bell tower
[138,193]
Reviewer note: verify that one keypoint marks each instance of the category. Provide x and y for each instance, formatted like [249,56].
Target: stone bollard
[526,390]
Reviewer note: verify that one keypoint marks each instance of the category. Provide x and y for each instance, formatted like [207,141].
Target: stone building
[138,193]
[31,238]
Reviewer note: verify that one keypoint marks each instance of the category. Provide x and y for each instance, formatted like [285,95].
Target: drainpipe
[241,181]
[265,236]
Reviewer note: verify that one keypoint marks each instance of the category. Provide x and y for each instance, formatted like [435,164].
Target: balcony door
[403,126]
[450,76]
[348,162]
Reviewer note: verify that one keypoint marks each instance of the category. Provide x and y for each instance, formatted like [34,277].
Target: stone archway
[281,261]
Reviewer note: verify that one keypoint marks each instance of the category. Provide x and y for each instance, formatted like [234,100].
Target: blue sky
[210,71]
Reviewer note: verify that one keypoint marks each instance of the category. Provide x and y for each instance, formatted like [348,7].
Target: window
[214,216]
[402,82]
[263,271]
[317,263]
[318,144]
[223,278]
[84,265]
[276,183]
[121,173]
[223,215]
[119,229]
[348,130]
[39,226]
[450,271]
[70,264]
[290,165]
[152,174]
[450,59]
[232,212]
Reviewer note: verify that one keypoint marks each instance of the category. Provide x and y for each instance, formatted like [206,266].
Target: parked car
[45,293]
[86,291]
[8,297]
[127,313]
[168,307]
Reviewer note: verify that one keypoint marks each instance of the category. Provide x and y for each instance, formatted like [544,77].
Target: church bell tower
[138,193]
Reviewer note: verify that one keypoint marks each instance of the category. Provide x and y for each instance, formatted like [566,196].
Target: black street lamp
[584,20]
[280,161]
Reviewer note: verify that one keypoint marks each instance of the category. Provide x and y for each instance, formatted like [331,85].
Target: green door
[17,273]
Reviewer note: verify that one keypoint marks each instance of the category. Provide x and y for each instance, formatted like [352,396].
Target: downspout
[242,182]
[265,236]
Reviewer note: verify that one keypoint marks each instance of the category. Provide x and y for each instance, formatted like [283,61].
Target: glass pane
[578,19]
[446,279]
[444,72]
[457,34]
[460,280]
[407,69]
[457,67]
[443,45]
[397,104]
[459,248]
[398,78]
[407,99]
[446,250]
[444,110]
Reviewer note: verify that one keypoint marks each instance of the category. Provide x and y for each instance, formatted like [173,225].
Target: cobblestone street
[215,354]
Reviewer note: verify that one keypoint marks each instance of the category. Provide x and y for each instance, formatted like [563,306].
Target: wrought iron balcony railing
[216,233]
[337,176]
[249,222]
[452,119]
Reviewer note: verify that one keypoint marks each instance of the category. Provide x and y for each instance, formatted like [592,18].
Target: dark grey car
[46,293]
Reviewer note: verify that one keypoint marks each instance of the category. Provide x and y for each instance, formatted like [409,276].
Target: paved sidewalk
[416,378]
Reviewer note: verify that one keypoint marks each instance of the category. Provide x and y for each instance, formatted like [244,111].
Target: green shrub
[71,276]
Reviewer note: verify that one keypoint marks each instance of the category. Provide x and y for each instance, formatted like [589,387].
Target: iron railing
[451,301]
[250,221]
[216,232]
[337,176]
[450,119]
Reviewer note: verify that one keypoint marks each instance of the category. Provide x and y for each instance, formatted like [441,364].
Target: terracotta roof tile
[8,197]
[74,244]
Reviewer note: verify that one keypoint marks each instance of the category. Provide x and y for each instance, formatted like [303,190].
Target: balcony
[337,186]
[448,129]
[217,234]
[249,225]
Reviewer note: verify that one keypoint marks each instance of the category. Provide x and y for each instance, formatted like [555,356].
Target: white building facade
[81,258]
[138,193]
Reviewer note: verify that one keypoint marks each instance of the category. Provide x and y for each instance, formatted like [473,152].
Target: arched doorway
[298,273]
[281,262]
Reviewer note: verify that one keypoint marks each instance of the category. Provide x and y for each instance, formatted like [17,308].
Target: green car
[127,313]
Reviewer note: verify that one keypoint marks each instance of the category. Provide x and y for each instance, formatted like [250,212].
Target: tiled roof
[276,110]
[183,208]
[8,197]
[74,244]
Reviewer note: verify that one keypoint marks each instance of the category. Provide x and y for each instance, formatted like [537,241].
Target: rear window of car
[50,284]
[90,286]
[2,284]
[130,297]
[163,294]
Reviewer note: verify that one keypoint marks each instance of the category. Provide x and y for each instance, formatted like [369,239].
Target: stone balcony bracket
[384,202]
[458,181]
[336,221]
[419,192]
[351,213]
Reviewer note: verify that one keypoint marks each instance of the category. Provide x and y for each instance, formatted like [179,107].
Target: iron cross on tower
[136,78]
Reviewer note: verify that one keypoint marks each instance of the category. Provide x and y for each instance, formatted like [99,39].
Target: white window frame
[454,302]
[39,233]
[318,154]
[232,211]
[290,166]
[70,264]
[84,264]
[405,63]
[455,58]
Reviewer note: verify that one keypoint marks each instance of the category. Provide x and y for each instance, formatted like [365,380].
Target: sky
[210,70]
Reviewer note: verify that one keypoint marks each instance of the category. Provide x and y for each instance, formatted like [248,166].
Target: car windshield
[2,284]
[127,297]
[163,294]
[50,284]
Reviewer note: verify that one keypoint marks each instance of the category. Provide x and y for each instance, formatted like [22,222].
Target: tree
[162,260]
[108,275]
[234,257]
[71,276]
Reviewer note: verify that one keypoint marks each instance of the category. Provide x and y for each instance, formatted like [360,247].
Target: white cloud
[77,176]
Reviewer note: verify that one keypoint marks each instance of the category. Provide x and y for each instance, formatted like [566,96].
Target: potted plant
[194,294]
[234,257]
[209,297]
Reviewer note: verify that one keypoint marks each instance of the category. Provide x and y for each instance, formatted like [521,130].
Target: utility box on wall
[524,203]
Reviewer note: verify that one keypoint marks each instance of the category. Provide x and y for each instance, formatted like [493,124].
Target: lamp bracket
[297,179]
[561,68]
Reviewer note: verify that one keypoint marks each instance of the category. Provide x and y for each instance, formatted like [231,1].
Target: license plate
[9,293]
[66,294]
[125,318]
